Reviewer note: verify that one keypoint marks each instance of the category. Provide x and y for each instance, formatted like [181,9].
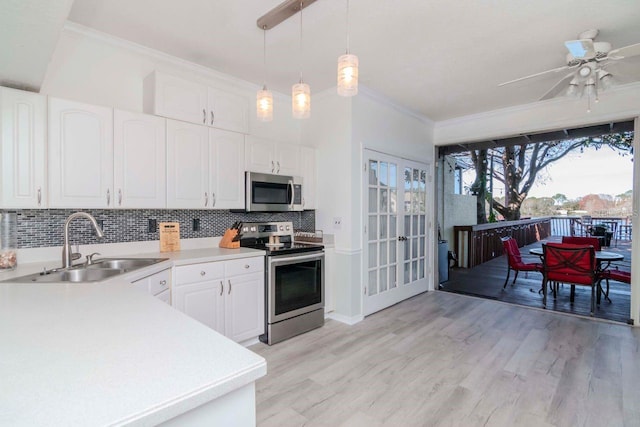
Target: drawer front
[164,296]
[199,272]
[243,266]
[159,282]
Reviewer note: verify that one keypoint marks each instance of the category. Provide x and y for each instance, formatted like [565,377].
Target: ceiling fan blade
[625,52]
[555,70]
[558,87]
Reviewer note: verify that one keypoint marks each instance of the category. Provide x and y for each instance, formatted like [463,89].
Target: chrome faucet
[66,248]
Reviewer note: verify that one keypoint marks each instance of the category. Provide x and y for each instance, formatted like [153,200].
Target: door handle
[108,197]
[204,116]
[213,199]
[229,292]
[273,166]
[206,198]
[119,197]
[278,167]
[212,116]
[39,196]
[221,288]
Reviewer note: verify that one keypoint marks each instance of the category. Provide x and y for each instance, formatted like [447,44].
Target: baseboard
[349,320]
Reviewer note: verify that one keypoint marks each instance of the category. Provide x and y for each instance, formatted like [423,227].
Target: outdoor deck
[486,280]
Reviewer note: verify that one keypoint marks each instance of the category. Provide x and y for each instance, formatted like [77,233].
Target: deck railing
[475,244]
[574,226]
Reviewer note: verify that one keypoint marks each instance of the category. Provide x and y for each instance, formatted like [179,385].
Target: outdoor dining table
[602,257]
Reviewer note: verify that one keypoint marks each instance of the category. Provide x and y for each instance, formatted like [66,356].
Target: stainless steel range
[294,280]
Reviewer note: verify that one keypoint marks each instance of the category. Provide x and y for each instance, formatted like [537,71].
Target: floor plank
[423,363]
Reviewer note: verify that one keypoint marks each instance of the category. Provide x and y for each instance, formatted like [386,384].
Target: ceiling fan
[587,62]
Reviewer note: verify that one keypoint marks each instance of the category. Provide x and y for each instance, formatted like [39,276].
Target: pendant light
[347,69]
[264,98]
[301,92]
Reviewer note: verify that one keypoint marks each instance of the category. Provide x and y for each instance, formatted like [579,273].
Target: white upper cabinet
[188,166]
[181,99]
[308,155]
[226,162]
[139,151]
[23,118]
[266,156]
[80,155]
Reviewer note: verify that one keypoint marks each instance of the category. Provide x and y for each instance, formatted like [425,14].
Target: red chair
[614,274]
[571,264]
[514,260]
[575,240]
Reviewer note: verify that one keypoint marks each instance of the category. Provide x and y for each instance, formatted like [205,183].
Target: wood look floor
[454,360]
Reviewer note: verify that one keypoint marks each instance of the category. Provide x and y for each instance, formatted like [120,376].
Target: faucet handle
[90,258]
[75,256]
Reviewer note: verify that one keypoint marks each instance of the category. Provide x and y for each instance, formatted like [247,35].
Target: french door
[395,246]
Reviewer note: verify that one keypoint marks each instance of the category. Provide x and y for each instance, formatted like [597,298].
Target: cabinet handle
[278,167]
[206,198]
[108,197]
[39,196]
[212,116]
[119,197]
[221,288]
[163,283]
[246,266]
[204,116]
[273,167]
[213,199]
[303,202]
[229,293]
[203,273]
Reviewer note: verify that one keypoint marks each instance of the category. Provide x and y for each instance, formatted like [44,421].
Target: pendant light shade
[301,100]
[264,105]
[264,98]
[347,75]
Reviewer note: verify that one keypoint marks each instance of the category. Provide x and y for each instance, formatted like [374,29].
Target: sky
[577,174]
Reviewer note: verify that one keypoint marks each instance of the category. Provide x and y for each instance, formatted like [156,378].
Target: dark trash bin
[603,232]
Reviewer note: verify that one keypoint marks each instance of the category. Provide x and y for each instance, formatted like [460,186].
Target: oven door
[295,285]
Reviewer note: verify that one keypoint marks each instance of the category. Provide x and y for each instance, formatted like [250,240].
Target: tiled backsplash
[44,227]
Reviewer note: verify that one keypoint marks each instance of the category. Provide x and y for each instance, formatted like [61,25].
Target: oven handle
[280,260]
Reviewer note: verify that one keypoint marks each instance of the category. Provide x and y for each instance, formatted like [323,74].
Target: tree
[517,167]
[559,199]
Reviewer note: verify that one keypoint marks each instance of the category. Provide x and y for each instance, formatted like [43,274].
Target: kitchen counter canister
[106,354]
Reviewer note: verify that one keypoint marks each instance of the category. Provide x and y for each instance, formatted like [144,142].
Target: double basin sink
[97,271]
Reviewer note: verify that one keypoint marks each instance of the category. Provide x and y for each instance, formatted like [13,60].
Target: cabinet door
[227,169]
[288,159]
[139,148]
[175,98]
[260,155]
[244,306]
[228,111]
[188,166]
[202,301]
[80,155]
[22,149]
[308,162]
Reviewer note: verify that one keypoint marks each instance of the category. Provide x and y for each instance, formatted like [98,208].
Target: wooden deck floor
[486,281]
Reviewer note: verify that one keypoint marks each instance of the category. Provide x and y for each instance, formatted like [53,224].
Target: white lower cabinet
[227,296]
[158,285]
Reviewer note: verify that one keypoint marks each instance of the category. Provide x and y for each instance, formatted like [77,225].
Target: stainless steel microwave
[272,193]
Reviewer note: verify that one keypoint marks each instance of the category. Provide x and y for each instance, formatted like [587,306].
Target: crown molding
[377,96]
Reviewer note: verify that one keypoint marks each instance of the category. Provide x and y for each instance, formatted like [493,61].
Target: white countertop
[109,354]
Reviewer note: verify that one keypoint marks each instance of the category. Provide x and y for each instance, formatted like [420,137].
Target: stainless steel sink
[100,270]
[124,264]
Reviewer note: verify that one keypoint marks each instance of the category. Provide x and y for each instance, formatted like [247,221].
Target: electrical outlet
[196,224]
[337,223]
[153,225]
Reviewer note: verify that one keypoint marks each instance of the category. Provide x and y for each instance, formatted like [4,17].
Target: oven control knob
[253,228]
[281,228]
[287,228]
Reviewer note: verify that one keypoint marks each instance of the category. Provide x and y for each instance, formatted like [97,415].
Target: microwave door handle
[293,194]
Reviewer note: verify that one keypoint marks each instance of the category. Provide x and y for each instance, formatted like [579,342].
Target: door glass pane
[414,247]
[373,282]
[407,273]
[422,223]
[392,277]
[373,200]
[407,226]
[373,255]
[383,226]
[407,249]
[421,268]
[414,270]
[422,246]
[383,253]
[373,172]
[383,279]
[393,175]
[373,227]
[414,220]
[407,189]
[393,201]
[423,191]
[392,252]
[384,200]
[392,226]
[384,174]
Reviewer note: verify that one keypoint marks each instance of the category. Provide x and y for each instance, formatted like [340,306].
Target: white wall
[91,67]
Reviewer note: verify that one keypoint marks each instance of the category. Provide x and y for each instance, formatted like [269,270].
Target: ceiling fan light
[301,100]
[607,81]
[590,89]
[573,90]
[264,105]
[347,75]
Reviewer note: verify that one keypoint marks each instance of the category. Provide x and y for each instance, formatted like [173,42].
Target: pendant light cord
[264,56]
[347,26]
[301,4]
